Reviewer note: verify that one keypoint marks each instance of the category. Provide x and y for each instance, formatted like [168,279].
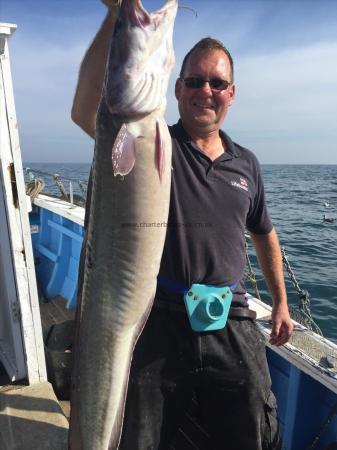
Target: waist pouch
[207,307]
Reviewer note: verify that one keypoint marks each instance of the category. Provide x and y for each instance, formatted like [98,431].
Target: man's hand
[112,4]
[270,258]
[282,325]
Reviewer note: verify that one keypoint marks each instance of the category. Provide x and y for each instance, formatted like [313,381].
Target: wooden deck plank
[28,416]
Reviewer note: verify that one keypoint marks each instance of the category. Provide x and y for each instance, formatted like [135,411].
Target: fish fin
[159,152]
[123,152]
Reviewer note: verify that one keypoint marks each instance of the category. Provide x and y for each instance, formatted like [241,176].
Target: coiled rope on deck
[34,187]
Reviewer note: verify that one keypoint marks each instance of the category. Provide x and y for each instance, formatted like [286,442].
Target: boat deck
[54,312]
[30,413]
[31,418]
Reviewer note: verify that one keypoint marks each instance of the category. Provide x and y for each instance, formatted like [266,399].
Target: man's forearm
[270,260]
[91,76]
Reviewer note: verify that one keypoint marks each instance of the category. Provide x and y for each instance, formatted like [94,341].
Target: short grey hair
[209,44]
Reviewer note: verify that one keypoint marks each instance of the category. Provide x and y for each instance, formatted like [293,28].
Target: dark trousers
[225,371]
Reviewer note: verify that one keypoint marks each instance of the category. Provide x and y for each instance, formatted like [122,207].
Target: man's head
[205,87]
[208,44]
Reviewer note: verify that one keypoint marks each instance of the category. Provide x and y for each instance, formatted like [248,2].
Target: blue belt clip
[208,306]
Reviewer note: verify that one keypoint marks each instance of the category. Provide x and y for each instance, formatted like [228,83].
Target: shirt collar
[230,153]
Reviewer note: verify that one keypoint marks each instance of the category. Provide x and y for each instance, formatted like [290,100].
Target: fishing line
[189,9]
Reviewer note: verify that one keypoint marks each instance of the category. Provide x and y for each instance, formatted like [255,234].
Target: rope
[59,184]
[300,313]
[34,187]
[303,312]
[83,186]
[250,275]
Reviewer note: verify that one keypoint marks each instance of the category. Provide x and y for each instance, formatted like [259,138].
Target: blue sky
[285,54]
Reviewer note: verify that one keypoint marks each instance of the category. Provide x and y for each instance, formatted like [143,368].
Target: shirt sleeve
[258,219]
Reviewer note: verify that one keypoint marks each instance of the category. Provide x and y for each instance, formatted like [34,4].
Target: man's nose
[206,87]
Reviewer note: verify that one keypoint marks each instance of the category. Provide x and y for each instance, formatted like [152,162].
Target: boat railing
[35,185]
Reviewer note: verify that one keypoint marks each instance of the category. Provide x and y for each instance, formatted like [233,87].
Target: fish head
[141,59]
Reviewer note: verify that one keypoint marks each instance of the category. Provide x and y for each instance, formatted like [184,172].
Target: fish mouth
[140,17]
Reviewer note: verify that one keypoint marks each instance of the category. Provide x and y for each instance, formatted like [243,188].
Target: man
[217,191]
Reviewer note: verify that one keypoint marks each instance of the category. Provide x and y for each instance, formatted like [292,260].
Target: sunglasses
[216,84]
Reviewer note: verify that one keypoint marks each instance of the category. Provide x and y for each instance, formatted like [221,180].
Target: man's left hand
[282,326]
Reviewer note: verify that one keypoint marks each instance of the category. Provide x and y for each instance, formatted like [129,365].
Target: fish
[131,179]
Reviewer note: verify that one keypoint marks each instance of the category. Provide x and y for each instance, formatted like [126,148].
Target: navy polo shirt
[212,203]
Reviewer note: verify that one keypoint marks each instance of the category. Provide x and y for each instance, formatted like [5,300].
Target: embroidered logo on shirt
[242,184]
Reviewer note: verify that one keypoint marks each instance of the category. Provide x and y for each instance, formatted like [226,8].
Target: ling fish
[127,222]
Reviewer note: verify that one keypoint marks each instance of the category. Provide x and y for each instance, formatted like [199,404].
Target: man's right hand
[112,4]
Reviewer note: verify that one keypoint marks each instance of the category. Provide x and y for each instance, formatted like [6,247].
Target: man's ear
[232,91]
[177,89]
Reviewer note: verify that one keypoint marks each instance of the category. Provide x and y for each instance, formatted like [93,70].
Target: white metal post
[22,296]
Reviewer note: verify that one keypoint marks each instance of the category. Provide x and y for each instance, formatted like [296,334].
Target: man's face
[204,109]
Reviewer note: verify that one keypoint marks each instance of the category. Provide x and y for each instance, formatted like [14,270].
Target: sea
[298,196]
